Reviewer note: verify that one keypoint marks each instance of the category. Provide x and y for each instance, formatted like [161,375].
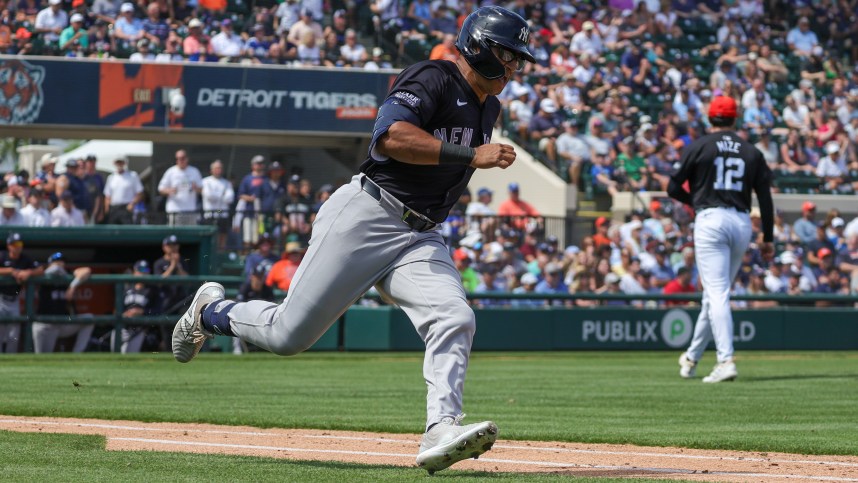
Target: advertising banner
[120,94]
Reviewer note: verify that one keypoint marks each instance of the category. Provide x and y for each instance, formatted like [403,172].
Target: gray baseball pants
[358,242]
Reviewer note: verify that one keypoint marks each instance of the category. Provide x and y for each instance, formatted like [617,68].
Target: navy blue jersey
[723,170]
[23,262]
[447,108]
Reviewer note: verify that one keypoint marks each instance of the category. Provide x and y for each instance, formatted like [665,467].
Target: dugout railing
[840,303]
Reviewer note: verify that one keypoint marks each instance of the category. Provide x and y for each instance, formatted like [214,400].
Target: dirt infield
[573,459]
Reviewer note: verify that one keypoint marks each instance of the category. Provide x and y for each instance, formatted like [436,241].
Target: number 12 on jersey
[729,173]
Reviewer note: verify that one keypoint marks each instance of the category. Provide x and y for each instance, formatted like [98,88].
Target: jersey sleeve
[413,98]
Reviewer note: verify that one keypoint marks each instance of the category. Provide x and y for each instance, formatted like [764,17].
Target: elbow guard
[390,112]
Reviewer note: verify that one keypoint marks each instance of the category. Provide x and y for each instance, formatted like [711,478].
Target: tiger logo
[21,95]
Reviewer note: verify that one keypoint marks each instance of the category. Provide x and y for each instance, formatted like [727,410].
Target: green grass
[799,402]
[83,458]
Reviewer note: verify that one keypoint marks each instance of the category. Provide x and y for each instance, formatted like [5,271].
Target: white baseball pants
[10,334]
[45,335]
[358,242]
[721,237]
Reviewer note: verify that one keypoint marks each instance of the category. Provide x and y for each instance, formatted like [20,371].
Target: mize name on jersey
[458,135]
[727,145]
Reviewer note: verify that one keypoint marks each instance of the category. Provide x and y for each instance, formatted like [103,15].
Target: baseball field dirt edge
[573,459]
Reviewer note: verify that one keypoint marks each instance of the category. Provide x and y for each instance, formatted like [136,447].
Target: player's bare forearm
[407,143]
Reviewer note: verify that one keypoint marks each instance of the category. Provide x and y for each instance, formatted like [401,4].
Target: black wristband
[456,154]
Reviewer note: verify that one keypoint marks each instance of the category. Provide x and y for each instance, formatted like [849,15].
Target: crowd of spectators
[616,93]
[619,88]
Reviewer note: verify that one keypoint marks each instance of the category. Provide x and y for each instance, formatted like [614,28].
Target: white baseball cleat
[687,367]
[448,443]
[724,371]
[189,335]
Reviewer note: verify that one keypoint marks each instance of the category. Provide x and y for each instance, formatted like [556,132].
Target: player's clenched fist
[493,156]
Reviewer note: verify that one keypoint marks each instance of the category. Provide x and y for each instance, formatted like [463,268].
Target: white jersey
[184,180]
[121,188]
[36,216]
[217,194]
[61,217]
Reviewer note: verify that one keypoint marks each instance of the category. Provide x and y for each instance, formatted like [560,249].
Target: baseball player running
[431,133]
[721,169]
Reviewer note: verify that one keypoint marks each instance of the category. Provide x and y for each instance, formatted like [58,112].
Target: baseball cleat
[724,371]
[189,335]
[448,443]
[687,367]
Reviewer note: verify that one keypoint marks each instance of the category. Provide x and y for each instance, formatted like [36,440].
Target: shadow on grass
[337,465]
[798,377]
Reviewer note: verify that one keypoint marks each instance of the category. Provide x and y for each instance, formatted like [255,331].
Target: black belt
[415,220]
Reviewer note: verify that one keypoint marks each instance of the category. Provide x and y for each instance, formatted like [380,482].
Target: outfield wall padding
[782,328]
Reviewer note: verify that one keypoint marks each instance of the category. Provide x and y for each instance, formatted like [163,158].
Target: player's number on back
[729,173]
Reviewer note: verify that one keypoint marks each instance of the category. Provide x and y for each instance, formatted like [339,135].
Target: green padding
[379,329]
[387,328]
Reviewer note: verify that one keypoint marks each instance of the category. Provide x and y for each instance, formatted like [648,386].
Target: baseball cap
[654,206]
[226,23]
[484,191]
[71,163]
[722,106]
[832,147]
[142,266]
[306,12]
[258,159]
[55,257]
[170,240]
[553,268]
[294,247]
[9,202]
[755,213]
[14,238]
[126,7]
[548,106]
[513,186]
[552,240]
[572,250]
[195,23]
[588,25]
[808,206]
[823,252]
[55,2]
[837,222]
[275,166]
[529,279]
[326,188]
[120,159]
[76,18]
[460,255]
[23,33]
[787,258]
[601,221]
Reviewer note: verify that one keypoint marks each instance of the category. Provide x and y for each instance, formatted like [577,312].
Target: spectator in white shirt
[218,196]
[51,21]
[66,214]
[9,215]
[34,213]
[180,184]
[144,53]
[352,52]
[796,116]
[227,43]
[122,191]
[587,41]
[832,168]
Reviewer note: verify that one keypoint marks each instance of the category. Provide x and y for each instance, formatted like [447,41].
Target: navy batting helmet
[489,27]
